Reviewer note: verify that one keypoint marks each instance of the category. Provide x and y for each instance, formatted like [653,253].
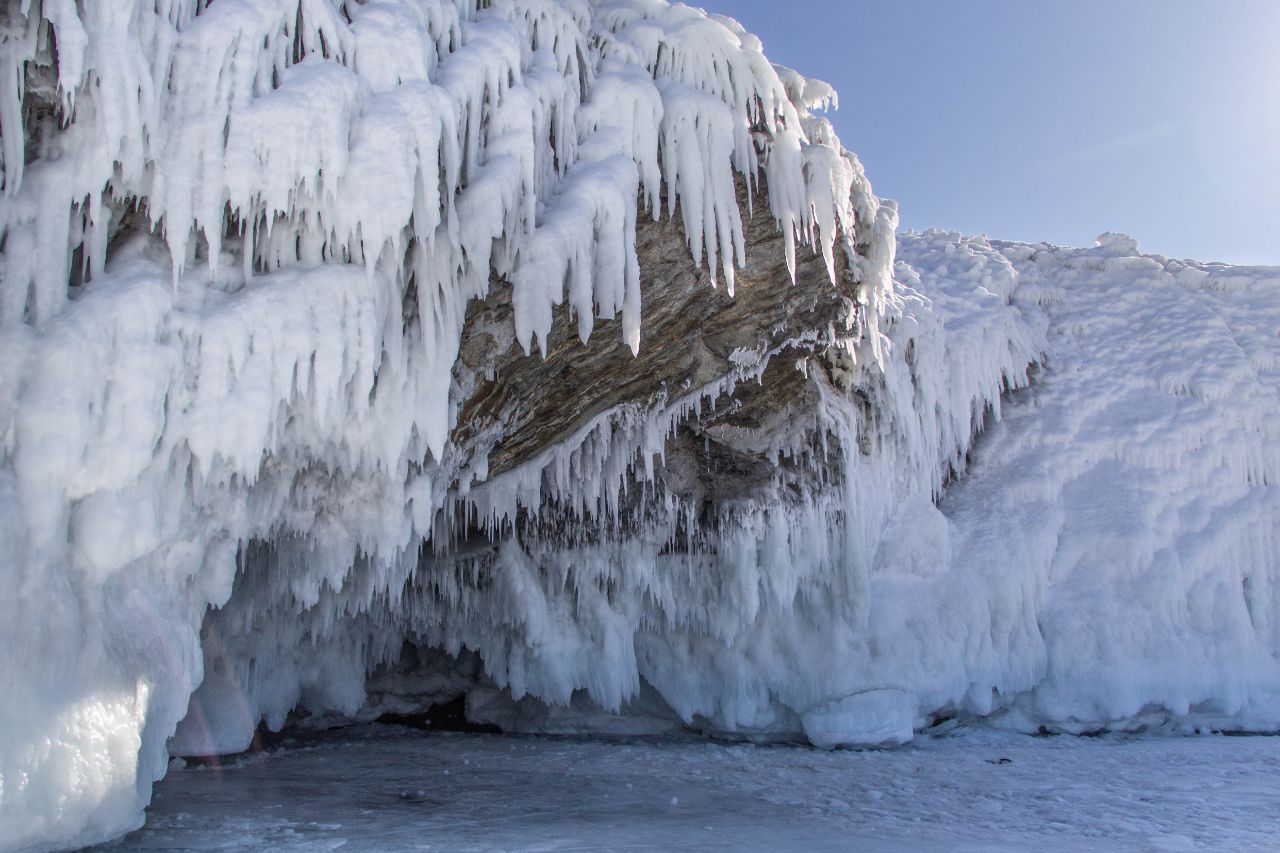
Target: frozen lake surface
[387,788]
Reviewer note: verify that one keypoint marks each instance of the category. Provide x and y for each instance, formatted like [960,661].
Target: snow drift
[356,357]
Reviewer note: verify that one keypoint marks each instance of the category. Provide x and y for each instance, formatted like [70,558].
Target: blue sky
[1055,120]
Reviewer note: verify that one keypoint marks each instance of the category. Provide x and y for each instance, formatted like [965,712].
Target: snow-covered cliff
[360,356]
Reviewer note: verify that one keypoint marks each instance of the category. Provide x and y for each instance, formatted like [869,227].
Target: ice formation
[305,403]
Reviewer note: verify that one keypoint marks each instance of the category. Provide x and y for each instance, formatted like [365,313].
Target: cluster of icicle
[238,242]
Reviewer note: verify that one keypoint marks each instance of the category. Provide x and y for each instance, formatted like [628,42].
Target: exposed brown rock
[689,332]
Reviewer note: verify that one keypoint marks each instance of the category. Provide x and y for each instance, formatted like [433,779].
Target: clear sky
[1055,119]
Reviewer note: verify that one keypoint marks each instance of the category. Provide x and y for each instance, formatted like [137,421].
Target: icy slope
[356,357]
[1130,497]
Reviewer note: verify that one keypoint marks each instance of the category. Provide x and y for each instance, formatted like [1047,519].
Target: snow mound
[1116,243]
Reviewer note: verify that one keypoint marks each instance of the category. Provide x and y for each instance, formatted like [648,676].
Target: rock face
[716,414]
[602,500]
[695,336]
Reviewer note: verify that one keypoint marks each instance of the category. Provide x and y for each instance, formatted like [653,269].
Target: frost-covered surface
[272,216]
[240,245]
[970,790]
[1124,513]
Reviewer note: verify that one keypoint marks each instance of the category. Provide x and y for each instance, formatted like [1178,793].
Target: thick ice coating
[239,240]
[305,405]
